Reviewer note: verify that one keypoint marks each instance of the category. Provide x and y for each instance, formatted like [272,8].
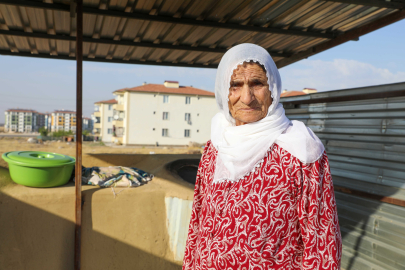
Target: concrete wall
[145,118]
[131,231]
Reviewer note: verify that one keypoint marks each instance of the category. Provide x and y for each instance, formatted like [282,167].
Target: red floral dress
[281,216]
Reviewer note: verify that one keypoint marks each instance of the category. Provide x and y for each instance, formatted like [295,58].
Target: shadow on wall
[35,239]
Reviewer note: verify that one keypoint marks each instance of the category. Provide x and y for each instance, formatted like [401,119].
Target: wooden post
[79,113]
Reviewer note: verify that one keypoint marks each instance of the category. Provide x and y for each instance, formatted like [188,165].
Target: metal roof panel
[149,31]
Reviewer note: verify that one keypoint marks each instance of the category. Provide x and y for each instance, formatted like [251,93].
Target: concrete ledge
[126,232]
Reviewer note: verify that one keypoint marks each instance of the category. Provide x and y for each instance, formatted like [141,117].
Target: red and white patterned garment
[281,216]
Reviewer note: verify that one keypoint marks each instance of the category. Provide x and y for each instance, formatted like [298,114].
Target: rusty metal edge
[79,107]
[370,196]
[349,98]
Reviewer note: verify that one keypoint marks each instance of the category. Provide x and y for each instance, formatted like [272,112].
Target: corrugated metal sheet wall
[365,143]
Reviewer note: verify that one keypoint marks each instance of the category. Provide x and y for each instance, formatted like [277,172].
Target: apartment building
[21,120]
[87,124]
[66,121]
[41,120]
[103,119]
[163,114]
[63,120]
[48,121]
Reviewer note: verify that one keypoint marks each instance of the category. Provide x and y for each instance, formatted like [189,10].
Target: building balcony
[118,123]
[97,125]
[118,107]
[97,114]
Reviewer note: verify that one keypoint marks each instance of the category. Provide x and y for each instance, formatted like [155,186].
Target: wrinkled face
[249,95]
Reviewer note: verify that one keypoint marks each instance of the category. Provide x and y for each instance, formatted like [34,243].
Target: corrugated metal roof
[193,33]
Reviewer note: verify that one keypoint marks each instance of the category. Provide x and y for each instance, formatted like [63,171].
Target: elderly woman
[263,197]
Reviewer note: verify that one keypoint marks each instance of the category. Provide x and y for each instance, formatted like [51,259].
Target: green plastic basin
[39,169]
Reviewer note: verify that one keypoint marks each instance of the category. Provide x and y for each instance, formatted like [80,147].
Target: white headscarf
[242,148]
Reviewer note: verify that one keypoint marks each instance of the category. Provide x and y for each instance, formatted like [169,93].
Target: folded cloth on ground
[115,176]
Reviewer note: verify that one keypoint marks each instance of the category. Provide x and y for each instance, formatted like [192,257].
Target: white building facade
[167,114]
[20,120]
[103,119]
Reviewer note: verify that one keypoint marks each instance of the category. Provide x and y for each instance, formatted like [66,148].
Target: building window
[110,107]
[110,119]
[188,117]
[165,115]
[188,100]
[165,99]
[186,133]
[198,130]
[109,131]
[165,132]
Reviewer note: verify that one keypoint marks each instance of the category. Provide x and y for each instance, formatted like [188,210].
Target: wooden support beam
[170,19]
[347,36]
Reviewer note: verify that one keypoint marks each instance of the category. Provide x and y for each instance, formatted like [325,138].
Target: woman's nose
[247,95]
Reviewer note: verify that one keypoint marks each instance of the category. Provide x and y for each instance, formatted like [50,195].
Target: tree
[43,131]
[62,133]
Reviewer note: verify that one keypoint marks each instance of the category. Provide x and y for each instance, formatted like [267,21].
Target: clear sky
[46,85]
